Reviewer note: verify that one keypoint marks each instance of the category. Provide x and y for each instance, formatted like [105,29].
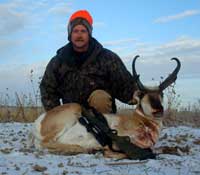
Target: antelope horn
[137,77]
[172,77]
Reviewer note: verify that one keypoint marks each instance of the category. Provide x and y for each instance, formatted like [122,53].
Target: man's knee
[102,101]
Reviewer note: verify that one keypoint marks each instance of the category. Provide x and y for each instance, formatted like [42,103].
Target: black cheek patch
[155,103]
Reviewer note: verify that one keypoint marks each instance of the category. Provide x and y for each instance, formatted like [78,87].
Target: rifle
[96,124]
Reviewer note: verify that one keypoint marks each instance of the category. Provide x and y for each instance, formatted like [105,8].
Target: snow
[17,157]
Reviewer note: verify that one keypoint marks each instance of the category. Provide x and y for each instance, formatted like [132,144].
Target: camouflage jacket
[72,80]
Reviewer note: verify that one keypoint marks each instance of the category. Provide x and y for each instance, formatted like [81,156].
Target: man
[84,72]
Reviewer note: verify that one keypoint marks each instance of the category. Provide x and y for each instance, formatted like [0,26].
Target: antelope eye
[141,94]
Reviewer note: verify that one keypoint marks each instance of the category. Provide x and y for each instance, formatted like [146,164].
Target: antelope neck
[140,112]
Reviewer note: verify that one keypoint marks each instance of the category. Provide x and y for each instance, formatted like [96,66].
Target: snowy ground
[181,146]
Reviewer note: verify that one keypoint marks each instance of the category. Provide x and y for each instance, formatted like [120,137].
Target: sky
[32,31]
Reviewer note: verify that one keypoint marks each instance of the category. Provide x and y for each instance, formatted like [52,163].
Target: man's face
[80,38]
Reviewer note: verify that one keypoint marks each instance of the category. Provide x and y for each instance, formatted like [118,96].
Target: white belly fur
[78,135]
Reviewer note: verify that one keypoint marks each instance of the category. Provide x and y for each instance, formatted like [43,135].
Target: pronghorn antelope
[59,129]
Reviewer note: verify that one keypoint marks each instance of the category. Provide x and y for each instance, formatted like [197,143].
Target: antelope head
[149,99]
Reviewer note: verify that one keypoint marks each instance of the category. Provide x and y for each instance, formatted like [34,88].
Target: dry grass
[187,118]
[24,109]
[19,114]
[175,114]
[21,107]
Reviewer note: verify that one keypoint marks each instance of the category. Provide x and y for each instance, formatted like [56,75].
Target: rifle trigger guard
[114,131]
[127,138]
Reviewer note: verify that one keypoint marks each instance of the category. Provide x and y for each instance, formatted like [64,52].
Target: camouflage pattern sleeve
[48,87]
[122,82]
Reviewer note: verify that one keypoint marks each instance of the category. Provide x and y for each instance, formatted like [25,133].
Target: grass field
[187,117]
[27,108]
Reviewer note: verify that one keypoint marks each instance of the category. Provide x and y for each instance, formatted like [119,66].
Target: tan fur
[56,119]
[147,131]
[113,154]
[143,130]
[64,149]
[129,121]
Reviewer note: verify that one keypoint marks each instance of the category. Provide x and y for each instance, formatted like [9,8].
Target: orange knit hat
[80,17]
[82,14]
